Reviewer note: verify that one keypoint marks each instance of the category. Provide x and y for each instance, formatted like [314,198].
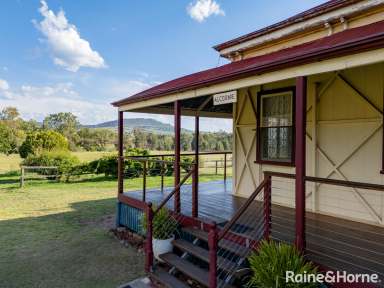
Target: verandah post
[300,125]
[267,206]
[195,196]
[212,244]
[177,115]
[195,175]
[120,145]
[148,243]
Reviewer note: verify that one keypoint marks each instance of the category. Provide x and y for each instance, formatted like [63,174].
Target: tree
[9,114]
[65,123]
[95,139]
[7,139]
[45,140]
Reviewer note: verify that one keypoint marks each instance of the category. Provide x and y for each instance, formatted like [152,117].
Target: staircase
[190,261]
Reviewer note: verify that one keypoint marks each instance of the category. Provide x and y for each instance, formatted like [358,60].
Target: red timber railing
[151,213]
[239,236]
[336,242]
[332,243]
[214,166]
[151,209]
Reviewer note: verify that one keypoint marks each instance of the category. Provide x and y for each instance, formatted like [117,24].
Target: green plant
[186,163]
[39,141]
[163,224]
[62,159]
[270,263]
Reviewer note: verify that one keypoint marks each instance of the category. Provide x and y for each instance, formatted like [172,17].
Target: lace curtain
[276,127]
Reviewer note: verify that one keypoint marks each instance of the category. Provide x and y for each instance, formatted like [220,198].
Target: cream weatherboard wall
[345,123]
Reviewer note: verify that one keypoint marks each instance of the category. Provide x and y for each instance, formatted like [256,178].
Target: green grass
[56,234]
[9,163]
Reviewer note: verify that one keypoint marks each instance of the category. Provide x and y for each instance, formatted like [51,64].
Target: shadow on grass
[66,249]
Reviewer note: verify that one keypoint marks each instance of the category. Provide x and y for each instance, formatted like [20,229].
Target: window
[275,131]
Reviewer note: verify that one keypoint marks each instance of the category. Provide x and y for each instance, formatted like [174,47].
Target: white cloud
[36,102]
[68,48]
[124,89]
[202,9]
[3,85]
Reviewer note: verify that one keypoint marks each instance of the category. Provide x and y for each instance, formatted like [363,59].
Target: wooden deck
[332,242]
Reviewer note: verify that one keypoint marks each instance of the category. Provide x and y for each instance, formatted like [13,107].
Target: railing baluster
[144,180]
[225,167]
[195,194]
[267,206]
[148,243]
[162,174]
[212,243]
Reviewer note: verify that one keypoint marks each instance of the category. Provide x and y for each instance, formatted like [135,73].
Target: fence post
[216,167]
[267,206]
[162,174]
[148,242]
[144,179]
[22,177]
[212,243]
[225,167]
[195,193]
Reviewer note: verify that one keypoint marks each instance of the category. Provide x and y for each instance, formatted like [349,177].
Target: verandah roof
[347,42]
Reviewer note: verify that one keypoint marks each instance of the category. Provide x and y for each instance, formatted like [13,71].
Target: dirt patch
[129,238]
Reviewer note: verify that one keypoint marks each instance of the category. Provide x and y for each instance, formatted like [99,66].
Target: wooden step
[194,272]
[231,246]
[168,280]
[203,254]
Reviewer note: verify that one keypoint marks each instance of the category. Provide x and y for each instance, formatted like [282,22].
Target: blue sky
[94,51]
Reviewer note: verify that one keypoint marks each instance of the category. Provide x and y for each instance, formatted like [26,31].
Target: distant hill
[146,124]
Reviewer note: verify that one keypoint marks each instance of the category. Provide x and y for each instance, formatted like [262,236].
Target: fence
[44,172]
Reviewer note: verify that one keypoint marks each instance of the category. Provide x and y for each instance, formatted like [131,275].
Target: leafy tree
[65,123]
[95,139]
[7,139]
[9,114]
[45,140]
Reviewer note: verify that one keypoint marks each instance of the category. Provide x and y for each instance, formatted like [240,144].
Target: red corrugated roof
[343,43]
[315,11]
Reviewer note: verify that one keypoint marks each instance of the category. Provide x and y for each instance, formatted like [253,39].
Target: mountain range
[146,124]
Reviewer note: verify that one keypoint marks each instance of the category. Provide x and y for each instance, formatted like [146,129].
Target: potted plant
[163,228]
[270,263]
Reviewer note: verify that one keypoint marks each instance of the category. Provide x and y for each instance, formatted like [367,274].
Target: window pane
[276,110]
[276,144]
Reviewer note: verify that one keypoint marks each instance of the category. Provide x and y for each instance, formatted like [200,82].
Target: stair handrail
[241,210]
[177,188]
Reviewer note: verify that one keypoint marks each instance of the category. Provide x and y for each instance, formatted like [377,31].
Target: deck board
[333,242]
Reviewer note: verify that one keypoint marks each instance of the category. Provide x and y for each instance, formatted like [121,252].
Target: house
[306,99]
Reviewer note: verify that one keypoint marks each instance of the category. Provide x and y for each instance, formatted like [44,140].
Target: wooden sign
[225,98]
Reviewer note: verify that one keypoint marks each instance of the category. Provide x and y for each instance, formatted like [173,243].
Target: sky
[79,56]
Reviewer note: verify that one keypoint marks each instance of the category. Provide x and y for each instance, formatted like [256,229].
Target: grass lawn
[56,234]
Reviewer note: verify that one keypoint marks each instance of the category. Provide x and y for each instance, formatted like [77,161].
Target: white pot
[162,246]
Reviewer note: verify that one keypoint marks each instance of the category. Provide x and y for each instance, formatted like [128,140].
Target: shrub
[62,159]
[186,163]
[107,165]
[46,140]
[270,263]
[163,224]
